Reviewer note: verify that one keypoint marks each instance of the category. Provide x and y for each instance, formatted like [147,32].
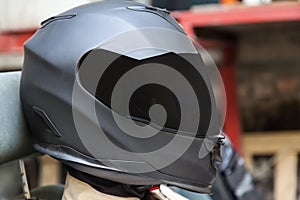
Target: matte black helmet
[117,90]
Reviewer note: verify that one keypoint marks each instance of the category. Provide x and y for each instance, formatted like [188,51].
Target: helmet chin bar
[95,167]
[141,179]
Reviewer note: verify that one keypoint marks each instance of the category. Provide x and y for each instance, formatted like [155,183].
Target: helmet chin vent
[49,124]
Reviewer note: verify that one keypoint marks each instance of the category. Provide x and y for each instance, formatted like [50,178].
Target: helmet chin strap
[163,192]
[143,188]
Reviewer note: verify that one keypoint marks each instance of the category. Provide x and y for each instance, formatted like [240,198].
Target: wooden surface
[285,147]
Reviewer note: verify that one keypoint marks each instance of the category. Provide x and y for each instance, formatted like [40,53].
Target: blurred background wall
[18,15]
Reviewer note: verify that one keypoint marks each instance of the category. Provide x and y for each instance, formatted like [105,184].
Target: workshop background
[256,45]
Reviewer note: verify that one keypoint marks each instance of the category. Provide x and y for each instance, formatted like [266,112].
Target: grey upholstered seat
[15,139]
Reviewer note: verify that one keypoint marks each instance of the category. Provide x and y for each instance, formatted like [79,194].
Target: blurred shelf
[223,15]
[284,146]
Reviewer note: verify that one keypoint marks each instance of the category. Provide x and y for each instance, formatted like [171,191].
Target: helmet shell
[53,58]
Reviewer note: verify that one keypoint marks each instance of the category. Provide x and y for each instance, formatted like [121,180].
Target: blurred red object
[11,42]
